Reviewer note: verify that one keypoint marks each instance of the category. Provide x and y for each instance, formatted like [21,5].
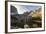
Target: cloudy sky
[23,8]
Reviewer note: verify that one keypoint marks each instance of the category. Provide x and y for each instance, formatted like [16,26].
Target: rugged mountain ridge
[36,13]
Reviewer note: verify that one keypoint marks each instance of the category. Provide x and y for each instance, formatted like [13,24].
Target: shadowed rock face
[13,10]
